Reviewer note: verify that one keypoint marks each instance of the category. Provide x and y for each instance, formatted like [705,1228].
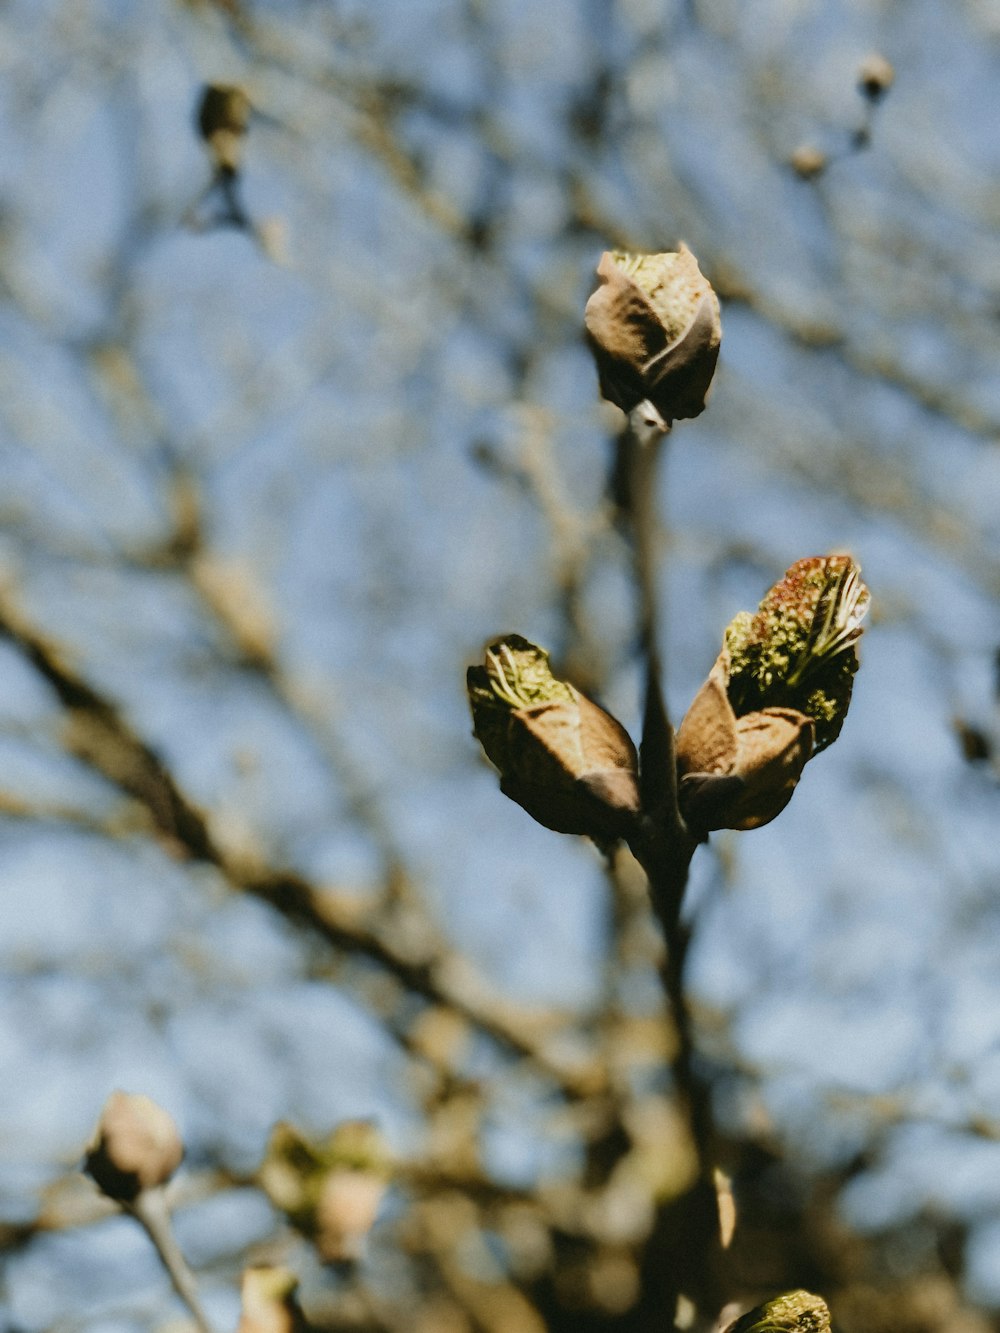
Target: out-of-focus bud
[330,1189]
[795,1312]
[570,764]
[268,1303]
[136,1147]
[345,1213]
[778,693]
[223,117]
[875,77]
[808,161]
[653,326]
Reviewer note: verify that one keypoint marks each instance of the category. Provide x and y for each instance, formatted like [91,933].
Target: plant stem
[681,1256]
[150,1210]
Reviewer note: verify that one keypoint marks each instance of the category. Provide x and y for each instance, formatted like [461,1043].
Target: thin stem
[643,444]
[663,845]
[150,1210]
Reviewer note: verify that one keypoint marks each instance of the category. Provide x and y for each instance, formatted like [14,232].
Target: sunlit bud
[136,1147]
[800,648]
[737,772]
[808,161]
[570,764]
[654,329]
[778,693]
[330,1189]
[268,1303]
[875,77]
[795,1312]
[223,117]
[345,1213]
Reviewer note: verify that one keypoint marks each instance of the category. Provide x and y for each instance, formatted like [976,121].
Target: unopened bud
[268,1303]
[345,1213]
[331,1188]
[136,1147]
[795,1312]
[778,693]
[223,117]
[808,161]
[654,329]
[570,764]
[875,77]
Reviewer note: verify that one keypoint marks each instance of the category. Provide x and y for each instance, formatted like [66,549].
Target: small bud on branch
[137,1147]
[777,695]
[223,118]
[653,327]
[875,77]
[570,764]
[330,1189]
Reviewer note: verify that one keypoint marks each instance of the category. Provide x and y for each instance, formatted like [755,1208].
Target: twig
[686,1228]
[150,1210]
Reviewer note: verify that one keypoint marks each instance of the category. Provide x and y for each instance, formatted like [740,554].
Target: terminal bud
[654,329]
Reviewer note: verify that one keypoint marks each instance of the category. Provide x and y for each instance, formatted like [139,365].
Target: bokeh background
[265,491]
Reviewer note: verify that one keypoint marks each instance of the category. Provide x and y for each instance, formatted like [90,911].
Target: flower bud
[330,1189]
[777,695]
[808,161]
[800,648]
[223,117]
[345,1213]
[875,77]
[653,327]
[136,1147]
[268,1303]
[570,764]
[737,773]
[795,1312]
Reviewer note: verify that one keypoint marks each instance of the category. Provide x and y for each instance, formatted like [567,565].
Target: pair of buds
[777,694]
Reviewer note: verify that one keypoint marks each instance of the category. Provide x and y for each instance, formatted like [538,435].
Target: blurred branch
[409,950]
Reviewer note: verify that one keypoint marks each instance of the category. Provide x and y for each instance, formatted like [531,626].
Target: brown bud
[808,161]
[136,1147]
[566,761]
[875,77]
[738,773]
[653,327]
[223,117]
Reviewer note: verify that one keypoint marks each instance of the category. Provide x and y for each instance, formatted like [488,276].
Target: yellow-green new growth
[799,649]
[518,674]
[795,1312]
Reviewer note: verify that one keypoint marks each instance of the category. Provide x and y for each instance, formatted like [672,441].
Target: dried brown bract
[738,772]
